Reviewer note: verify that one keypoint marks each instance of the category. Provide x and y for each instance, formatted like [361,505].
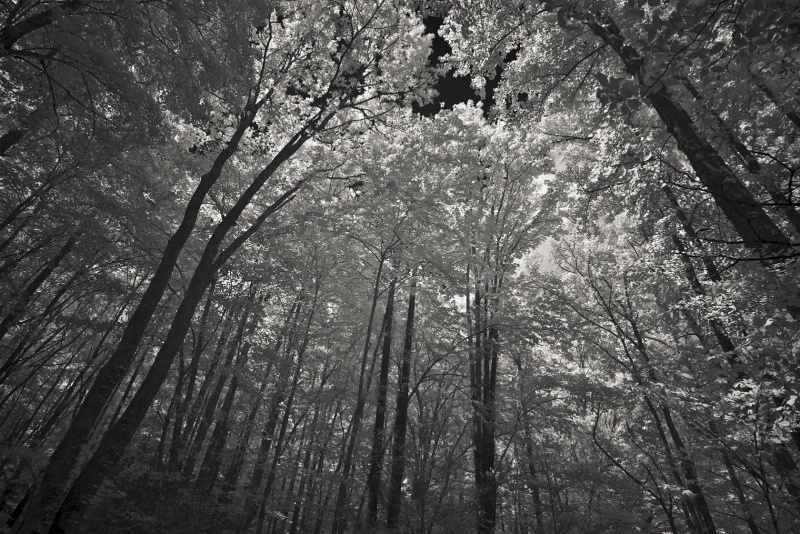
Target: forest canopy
[413,266]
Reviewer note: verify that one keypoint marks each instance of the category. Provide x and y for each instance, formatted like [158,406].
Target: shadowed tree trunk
[27,294]
[340,511]
[376,456]
[209,469]
[213,399]
[757,231]
[398,462]
[119,436]
[56,478]
[178,435]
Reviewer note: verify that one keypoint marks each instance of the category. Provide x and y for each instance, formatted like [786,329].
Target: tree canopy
[399,266]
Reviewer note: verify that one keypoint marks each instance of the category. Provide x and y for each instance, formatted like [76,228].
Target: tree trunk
[750,161]
[209,469]
[196,411]
[483,368]
[528,442]
[119,436]
[690,474]
[690,514]
[237,462]
[57,476]
[790,111]
[340,511]
[401,417]
[376,456]
[267,434]
[757,231]
[178,437]
[211,405]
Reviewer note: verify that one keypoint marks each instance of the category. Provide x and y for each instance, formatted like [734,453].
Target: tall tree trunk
[757,231]
[378,450]
[305,474]
[278,396]
[690,514]
[56,478]
[237,462]
[280,443]
[483,367]
[211,405]
[401,417]
[340,511]
[196,412]
[120,435]
[209,469]
[158,457]
[737,487]
[178,437]
[783,460]
[786,107]
[749,160]
[690,474]
[529,457]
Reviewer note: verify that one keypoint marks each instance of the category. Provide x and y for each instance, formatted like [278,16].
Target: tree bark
[57,476]
[750,161]
[178,436]
[119,436]
[401,417]
[378,449]
[268,433]
[757,231]
[209,469]
[340,512]
[27,294]
[211,404]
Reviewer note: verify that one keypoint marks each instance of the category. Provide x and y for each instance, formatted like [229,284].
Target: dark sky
[452,89]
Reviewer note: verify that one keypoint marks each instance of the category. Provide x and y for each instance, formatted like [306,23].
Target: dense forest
[355,266]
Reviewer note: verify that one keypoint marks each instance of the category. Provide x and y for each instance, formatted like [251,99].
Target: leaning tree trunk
[213,399]
[176,445]
[56,478]
[30,290]
[278,396]
[117,438]
[749,160]
[782,458]
[756,229]
[209,469]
